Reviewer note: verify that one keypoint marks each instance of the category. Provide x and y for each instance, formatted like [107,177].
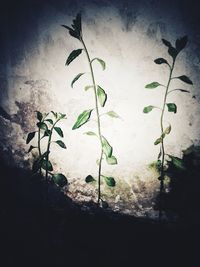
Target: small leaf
[185,79]
[107,149]
[172,52]
[89,179]
[153,85]
[72,32]
[160,61]
[110,181]
[167,43]
[30,137]
[113,114]
[103,64]
[158,141]
[181,90]
[46,133]
[59,179]
[104,204]
[148,109]
[55,114]
[90,133]
[168,129]
[177,162]
[46,165]
[31,148]
[61,144]
[88,87]
[39,115]
[172,107]
[61,116]
[42,126]
[181,43]
[59,131]
[82,118]
[111,160]
[102,96]
[74,54]
[50,121]
[76,78]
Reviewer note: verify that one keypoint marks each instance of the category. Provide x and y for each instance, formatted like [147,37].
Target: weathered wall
[127,35]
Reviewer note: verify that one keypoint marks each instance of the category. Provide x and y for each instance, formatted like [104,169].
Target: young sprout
[100,98]
[171,107]
[47,124]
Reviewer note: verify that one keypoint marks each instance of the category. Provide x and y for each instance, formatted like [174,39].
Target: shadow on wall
[183,197]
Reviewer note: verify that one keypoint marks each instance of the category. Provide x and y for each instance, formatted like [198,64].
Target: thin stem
[162,141]
[98,119]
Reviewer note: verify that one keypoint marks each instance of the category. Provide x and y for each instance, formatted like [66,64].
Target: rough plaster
[128,37]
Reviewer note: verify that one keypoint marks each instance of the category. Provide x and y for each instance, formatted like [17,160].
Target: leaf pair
[166,131]
[110,181]
[179,45]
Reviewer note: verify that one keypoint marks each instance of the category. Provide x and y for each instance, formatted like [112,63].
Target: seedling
[47,124]
[171,107]
[100,98]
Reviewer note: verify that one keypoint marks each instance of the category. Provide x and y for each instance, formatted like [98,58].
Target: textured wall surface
[127,35]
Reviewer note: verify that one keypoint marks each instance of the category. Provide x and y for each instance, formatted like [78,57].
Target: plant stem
[98,120]
[162,141]
[47,157]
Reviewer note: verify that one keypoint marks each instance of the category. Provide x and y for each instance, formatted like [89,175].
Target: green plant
[171,107]
[47,124]
[100,98]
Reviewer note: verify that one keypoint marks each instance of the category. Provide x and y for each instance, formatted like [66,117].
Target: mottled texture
[127,35]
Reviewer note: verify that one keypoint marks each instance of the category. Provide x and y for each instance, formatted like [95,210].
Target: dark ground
[61,234]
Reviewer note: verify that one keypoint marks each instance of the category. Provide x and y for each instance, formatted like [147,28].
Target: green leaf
[89,179]
[167,43]
[113,114]
[82,118]
[46,133]
[161,61]
[75,31]
[177,162]
[39,115]
[42,126]
[88,87]
[61,144]
[59,179]
[90,133]
[30,137]
[172,52]
[61,116]
[153,85]
[110,181]
[158,141]
[102,96]
[76,78]
[102,62]
[50,121]
[181,43]
[172,107]
[107,149]
[104,204]
[74,54]
[148,109]
[168,129]
[185,79]
[59,131]
[55,114]
[111,160]
[46,165]
[31,148]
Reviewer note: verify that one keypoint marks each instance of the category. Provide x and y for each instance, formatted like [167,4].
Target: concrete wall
[127,35]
